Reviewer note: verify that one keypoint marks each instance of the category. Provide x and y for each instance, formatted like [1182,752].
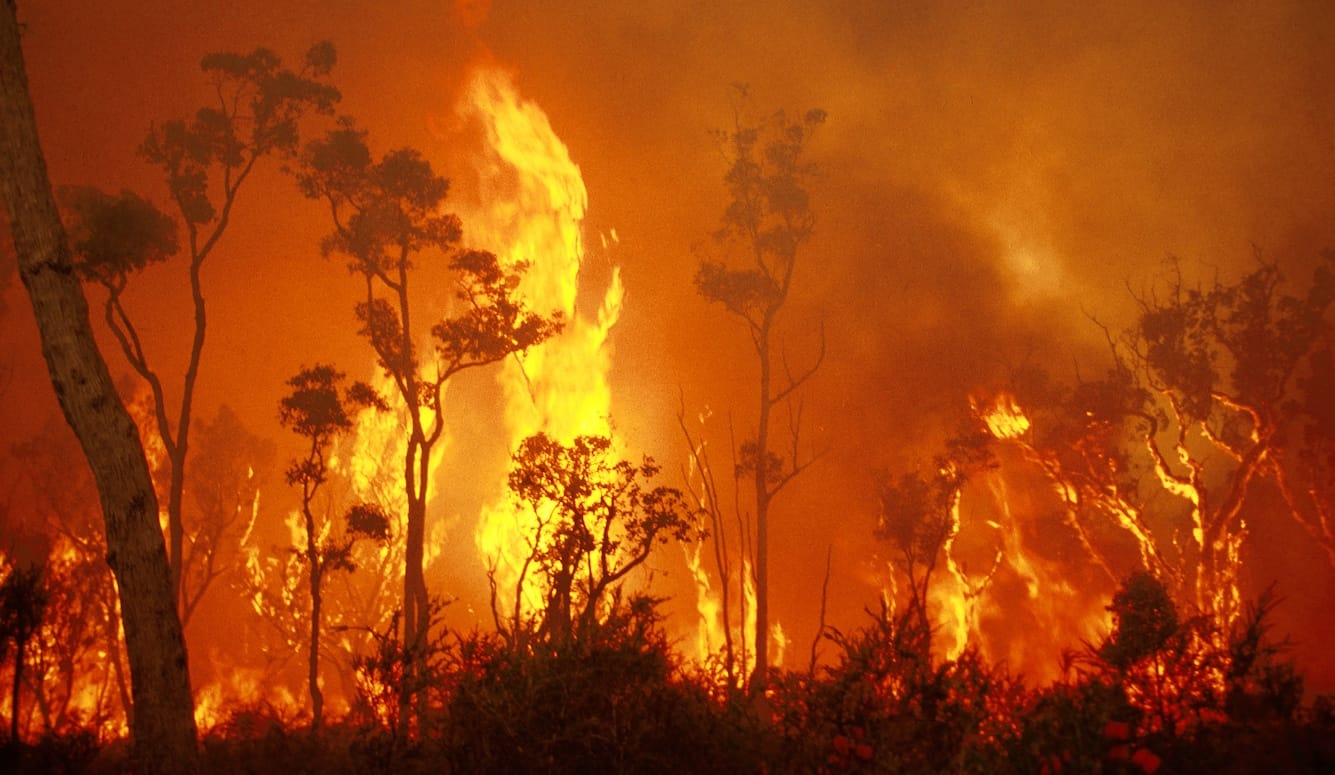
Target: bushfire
[511,405]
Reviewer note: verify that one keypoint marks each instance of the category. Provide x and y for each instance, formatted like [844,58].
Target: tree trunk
[760,675]
[19,656]
[416,602]
[164,724]
[313,666]
[175,527]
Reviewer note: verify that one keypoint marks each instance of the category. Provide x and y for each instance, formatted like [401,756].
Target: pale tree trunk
[164,724]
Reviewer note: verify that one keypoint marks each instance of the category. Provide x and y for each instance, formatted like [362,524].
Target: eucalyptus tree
[767,221]
[163,722]
[387,219]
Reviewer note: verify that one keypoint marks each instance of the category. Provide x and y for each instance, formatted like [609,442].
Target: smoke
[991,177]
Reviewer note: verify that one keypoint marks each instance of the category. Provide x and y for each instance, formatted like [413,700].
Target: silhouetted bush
[612,701]
[888,706]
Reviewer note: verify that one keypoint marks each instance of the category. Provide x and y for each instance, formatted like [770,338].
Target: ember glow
[1014,216]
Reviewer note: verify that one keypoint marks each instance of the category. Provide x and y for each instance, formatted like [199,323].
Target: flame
[561,386]
[747,655]
[1004,418]
[709,636]
[140,407]
[1004,515]
[68,662]
[779,644]
[237,688]
[1062,614]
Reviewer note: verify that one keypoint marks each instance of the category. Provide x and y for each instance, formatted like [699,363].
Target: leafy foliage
[1144,619]
[597,520]
[259,106]
[495,323]
[769,210]
[319,406]
[115,236]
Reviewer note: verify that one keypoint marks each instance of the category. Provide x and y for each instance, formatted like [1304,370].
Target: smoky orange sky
[991,175]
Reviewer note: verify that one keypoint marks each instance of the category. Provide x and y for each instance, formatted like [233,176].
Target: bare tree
[226,472]
[768,219]
[702,485]
[164,724]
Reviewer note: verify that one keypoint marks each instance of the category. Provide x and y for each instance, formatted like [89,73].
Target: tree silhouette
[163,722]
[1144,619]
[387,215]
[596,521]
[768,219]
[1221,362]
[206,160]
[23,601]
[319,408]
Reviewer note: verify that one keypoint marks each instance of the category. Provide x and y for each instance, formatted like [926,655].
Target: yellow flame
[709,636]
[559,387]
[1004,418]
[749,618]
[238,687]
[1061,614]
[956,594]
[140,408]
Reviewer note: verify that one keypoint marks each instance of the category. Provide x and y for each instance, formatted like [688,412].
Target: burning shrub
[1144,620]
[392,677]
[611,700]
[594,521]
[887,706]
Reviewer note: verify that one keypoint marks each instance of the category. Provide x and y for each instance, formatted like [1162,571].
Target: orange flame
[1045,609]
[561,386]
[1004,418]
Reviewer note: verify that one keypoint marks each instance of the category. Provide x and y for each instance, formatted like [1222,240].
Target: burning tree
[386,214]
[79,655]
[318,409]
[768,219]
[919,516]
[595,521]
[1211,392]
[1219,363]
[206,161]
